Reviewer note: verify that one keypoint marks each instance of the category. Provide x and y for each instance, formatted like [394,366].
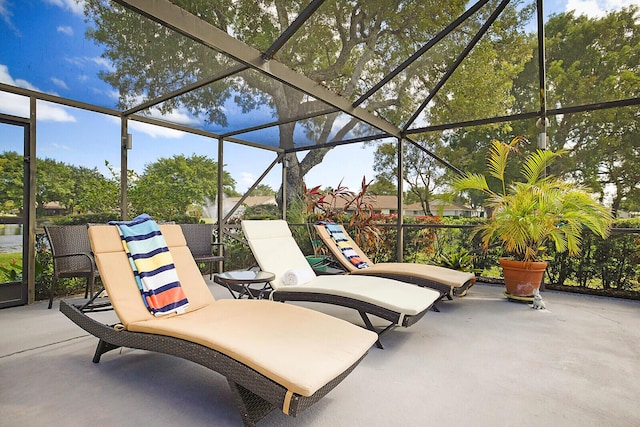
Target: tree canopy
[589,60]
[348,46]
[11,184]
[167,188]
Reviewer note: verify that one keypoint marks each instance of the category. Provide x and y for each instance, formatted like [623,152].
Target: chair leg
[372,328]
[54,281]
[90,282]
[252,407]
[102,348]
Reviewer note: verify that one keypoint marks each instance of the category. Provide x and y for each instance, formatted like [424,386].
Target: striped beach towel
[152,265]
[341,241]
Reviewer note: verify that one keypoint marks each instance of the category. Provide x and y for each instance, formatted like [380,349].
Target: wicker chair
[445,280]
[199,241]
[275,250]
[72,256]
[273,356]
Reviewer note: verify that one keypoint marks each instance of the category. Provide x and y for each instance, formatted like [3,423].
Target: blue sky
[43,37]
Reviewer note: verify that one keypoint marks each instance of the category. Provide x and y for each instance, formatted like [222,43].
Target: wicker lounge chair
[449,282]
[199,241]
[276,251]
[273,355]
[71,253]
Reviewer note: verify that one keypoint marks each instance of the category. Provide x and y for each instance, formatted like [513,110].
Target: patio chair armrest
[80,254]
[220,245]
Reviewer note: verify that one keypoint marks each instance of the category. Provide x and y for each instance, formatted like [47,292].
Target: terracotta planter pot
[521,278]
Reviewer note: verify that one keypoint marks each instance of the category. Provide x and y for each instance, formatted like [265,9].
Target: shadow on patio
[481,361]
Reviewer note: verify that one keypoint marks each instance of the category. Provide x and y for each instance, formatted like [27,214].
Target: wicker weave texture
[199,239]
[255,395]
[72,257]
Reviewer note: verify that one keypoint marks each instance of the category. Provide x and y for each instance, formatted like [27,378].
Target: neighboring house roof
[53,205]
[252,200]
[436,205]
[380,203]
[385,202]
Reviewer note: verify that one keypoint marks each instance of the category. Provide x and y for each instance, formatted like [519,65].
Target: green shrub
[607,264]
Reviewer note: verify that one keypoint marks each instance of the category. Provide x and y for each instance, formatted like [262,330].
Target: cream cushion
[293,346]
[447,276]
[276,251]
[120,283]
[435,273]
[274,248]
[397,296]
[296,347]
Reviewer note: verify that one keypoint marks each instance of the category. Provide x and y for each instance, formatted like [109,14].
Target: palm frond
[471,181]
[538,210]
[497,161]
[536,163]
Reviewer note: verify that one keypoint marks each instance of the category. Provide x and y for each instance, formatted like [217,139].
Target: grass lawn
[7,261]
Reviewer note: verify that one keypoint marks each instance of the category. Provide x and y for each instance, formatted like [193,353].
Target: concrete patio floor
[480,361]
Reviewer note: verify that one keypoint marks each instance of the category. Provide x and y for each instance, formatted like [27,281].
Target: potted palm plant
[527,215]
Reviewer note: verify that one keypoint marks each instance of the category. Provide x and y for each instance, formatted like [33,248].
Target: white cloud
[59,82]
[5,13]
[247,179]
[14,105]
[113,94]
[155,131]
[102,62]
[151,130]
[6,78]
[6,16]
[53,113]
[82,61]
[180,117]
[589,8]
[597,8]
[619,4]
[65,30]
[18,105]
[75,7]
[57,146]
[25,84]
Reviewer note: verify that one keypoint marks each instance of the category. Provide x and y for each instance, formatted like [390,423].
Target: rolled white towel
[297,276]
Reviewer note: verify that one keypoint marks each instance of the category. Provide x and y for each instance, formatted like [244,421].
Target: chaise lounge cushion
[122,289]
[276,251]
[294,347]
[446,278]
[409,300]
[444,275]
[298,348]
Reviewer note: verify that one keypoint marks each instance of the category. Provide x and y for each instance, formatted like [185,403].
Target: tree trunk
[615,204]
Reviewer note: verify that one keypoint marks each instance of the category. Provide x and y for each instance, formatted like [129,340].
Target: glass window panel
[346,165]
[78,155]
[128,59]
[11,206]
